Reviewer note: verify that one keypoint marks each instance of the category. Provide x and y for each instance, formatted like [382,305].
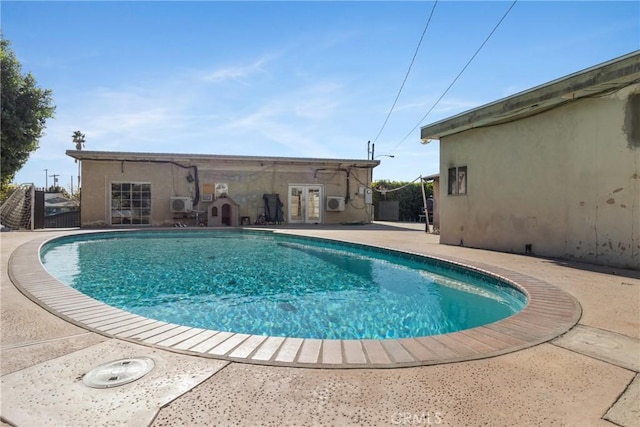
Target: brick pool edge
[549,313]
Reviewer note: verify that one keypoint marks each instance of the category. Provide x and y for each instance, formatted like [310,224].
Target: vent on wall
[335,204]
[181,204]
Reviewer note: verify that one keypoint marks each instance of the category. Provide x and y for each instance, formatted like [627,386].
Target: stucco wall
[566,181]
[247,182]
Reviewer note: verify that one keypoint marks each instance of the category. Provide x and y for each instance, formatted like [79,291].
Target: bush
[408,194]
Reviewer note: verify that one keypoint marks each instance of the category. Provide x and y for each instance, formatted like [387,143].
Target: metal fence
[63,220]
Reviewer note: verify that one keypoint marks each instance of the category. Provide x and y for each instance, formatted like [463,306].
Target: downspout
[346,199]
[32,195]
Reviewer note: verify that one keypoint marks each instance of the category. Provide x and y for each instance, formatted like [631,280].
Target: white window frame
[305,216]
[132,210]
[457,181]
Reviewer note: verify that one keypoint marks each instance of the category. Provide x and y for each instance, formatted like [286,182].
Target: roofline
[120,155]
[610,75]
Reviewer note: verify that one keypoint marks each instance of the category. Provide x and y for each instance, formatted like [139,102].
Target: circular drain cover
[118,372]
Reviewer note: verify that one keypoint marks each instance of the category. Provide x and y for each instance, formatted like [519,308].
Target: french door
[305,204]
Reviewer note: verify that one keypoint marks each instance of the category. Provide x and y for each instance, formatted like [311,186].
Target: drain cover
[118,372]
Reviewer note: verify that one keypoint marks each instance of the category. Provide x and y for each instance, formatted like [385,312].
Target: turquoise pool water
[271,284]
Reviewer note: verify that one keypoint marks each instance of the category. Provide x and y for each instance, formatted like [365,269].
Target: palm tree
[78,139]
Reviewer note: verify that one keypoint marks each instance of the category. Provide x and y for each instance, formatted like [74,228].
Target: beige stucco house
[155,189]
[554,170]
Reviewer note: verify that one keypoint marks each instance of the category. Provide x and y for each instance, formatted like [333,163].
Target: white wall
[566,181]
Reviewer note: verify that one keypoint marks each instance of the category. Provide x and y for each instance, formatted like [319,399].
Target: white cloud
[272,127]
[318,102]
[236,72]
[184,112]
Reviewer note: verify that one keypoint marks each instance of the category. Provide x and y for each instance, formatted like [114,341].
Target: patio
[589,376]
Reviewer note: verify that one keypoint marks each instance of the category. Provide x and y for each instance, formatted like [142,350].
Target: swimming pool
[262,283]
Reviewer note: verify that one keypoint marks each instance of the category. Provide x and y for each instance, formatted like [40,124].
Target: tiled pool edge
[549,313]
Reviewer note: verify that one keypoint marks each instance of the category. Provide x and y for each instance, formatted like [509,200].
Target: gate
[63,220]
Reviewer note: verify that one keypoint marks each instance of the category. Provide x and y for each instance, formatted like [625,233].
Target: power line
[408,71]
[457,77]
[398,188]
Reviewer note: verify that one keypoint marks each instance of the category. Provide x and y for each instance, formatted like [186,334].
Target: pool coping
[549,313]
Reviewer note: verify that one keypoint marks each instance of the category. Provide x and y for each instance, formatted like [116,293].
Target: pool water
[263,283]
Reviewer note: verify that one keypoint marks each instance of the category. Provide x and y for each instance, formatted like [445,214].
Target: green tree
[25,109]
[6,191]
[76,195]
[58,189]
[78,139]
[408,195]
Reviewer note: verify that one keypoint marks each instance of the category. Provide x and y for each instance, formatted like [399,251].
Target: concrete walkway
[589,376]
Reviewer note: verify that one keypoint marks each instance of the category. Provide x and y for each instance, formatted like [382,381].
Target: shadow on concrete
[386,226]
[613,271]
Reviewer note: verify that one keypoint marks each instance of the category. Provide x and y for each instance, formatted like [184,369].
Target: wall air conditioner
[181,204]
[335,204]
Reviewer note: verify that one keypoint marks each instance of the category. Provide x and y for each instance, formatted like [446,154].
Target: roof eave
[610,75]
[124,156]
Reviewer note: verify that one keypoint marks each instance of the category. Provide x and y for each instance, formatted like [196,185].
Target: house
[553,171]
[159,189]
[56,203]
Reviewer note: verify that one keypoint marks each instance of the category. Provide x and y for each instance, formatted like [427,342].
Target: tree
[25,110]
[6,191]
[58,189]
[408,195]
[78,139]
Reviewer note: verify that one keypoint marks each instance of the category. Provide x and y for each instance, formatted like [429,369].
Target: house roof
[605,77]
[431,177]
[57,200]
[119,156]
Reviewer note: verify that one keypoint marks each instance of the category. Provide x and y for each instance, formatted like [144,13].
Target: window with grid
[130,203]
[457,180]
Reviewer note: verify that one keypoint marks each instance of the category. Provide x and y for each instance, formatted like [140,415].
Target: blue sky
[295,79]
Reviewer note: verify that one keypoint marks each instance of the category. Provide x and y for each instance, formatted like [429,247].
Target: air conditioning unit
[335,204]
[181,204]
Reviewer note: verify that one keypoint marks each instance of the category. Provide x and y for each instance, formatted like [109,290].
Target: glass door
[305,204]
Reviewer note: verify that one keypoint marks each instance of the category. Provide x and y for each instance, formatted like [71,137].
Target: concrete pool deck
[584,377]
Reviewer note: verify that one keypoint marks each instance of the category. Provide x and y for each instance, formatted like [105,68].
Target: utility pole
[55,179]
[370,150]
[46,179]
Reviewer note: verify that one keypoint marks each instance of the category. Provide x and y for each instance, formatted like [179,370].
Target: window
[457,180]
[222,190]
[453,181]
[130,203]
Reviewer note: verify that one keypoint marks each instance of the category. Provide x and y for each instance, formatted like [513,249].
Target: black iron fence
[63,220]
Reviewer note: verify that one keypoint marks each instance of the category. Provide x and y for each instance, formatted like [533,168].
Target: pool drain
[118,372]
